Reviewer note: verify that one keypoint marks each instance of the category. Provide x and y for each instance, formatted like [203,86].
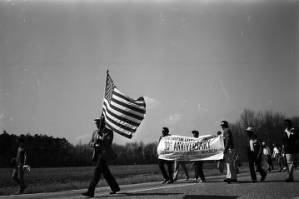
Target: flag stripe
[119,117]
[108,119]
[123,124]
[127,106]
[120,121]
[125,112]
[108,107]
[138,107]
[119,131]
[119,94]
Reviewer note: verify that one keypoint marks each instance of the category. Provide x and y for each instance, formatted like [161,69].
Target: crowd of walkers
[261,157]
[258,153]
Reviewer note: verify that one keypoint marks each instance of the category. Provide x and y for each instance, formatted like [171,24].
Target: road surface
[273,188]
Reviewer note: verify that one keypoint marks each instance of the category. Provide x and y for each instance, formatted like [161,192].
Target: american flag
[122,114]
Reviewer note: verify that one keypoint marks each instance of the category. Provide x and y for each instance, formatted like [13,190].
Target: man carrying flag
[101,141]
[120,114]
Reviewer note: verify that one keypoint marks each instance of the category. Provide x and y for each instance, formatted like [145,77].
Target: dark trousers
[18,176]
[269,160]
[257,163]
[163,170]
[102,168]
[198,170]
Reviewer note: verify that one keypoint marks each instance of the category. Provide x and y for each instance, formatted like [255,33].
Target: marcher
[267,156]
[229,153]
[276,155]
[198,164]
[101,141]
[168,178]
[254,151]
[237,162]
[177,164]
[289,140]
[18,164]
[220,163]
[284,159]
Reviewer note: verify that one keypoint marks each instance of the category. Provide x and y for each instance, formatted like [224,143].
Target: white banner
[183,148]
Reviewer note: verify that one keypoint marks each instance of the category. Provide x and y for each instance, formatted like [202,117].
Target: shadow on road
[148,194]
[208,197]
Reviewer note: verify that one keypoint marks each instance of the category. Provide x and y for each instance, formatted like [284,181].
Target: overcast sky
[197,63]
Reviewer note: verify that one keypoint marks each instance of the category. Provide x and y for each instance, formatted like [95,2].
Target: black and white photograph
[174,99]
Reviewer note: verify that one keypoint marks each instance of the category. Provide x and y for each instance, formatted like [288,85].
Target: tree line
[47,151]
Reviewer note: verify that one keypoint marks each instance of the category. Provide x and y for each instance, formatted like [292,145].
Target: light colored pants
[290,163]
[231,172]
[177,164]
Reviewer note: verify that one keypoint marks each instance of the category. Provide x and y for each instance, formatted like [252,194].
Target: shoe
[164,181]
[114,191]
[263,178]
[289,180]
[254,181]
[88,194]
[22,189]
[170,182]
[228,180]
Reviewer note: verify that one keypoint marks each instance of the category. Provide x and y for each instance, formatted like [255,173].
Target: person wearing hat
[101,141]
[229,153]
[168,178]
[290,140]
[198,164]
[254,153]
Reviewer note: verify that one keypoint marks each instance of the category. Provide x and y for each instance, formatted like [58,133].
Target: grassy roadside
[67,178]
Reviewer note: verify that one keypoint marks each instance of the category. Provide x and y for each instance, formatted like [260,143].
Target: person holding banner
[198,164]
[229,153]
[220,163]
[168,178]
[101,141]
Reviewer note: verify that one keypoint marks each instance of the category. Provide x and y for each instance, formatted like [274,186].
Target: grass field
[57,179]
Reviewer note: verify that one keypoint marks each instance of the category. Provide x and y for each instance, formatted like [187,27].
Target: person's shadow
[208,197]
[148,194]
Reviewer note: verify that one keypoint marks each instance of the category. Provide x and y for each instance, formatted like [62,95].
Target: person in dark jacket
[18,164]
[289,140]
[198,164]
[254,153]
[168,178]
[229,153]
[101,141]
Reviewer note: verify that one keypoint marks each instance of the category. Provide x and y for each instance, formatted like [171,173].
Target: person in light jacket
[229,153]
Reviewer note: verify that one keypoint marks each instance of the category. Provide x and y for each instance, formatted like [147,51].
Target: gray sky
[197,63]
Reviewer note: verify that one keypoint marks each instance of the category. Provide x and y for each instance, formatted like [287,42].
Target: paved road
[273,188]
